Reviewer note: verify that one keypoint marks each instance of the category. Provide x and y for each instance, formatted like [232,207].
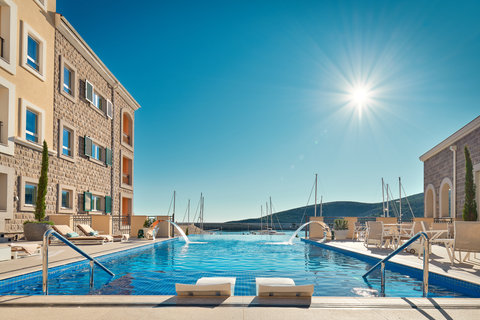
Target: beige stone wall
[440,166]
[83,174]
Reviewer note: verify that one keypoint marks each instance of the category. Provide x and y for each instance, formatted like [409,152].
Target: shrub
[47,222]
[42,185]
[148,222]
[340,224]
[470,206]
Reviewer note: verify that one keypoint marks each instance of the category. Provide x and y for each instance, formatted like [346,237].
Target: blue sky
[242,100]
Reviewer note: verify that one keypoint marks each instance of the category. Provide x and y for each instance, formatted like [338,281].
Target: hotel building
[60,92]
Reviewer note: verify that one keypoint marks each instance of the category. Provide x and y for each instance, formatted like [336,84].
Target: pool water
[154,270]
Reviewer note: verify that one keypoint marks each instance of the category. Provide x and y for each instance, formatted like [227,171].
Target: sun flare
[360,96]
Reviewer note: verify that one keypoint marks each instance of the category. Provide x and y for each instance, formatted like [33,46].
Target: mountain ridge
[345,209]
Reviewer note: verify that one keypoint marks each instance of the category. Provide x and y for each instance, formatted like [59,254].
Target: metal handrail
[426,257]
[46,236]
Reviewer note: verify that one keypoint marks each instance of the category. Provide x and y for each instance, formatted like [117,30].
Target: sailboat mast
[271,213]
[388,203]
[400,195]
[316,194]
[173,215]
[266,213]
[188,210]
[321,206]
[383,198]
[261,217]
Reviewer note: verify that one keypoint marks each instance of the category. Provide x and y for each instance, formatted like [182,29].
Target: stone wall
[440,166]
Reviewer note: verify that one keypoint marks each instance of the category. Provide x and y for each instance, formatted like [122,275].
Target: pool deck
[238,307]
[439,261]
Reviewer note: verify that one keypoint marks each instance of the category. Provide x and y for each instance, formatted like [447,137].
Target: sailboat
[269,227]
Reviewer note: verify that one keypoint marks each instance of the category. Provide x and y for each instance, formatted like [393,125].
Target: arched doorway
[430,202]
[446,198]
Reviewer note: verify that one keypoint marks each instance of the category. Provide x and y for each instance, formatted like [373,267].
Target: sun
[360,96]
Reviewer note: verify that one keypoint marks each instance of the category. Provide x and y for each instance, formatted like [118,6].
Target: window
[30,194]
[96,203]
[8,35]
[127,129]
[33,55]
[126,204]
[31,129]
[33,52]
[32,124]
[7,116]
[67,142]
[68,80]
[98,101]
[42,4]
[6,192]
[65,199]
[96,152]
[127,171]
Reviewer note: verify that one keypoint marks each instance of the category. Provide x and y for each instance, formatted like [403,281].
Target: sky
[243,100]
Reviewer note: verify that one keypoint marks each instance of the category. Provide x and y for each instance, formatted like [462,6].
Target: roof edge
[66,29]
[465,130]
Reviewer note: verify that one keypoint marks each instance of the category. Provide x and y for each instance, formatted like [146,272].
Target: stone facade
[439,166]
[78,173]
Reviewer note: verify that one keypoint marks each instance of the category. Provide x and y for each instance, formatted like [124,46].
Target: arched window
[127,129]
[430,202]
[446,198]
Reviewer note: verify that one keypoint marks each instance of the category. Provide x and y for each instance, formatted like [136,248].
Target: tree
[42,186]
[470,206]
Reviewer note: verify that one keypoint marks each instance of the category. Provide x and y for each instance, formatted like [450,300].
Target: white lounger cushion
[222,289]
[285,291]
[218,280]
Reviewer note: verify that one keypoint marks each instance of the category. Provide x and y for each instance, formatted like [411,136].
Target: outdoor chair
[376,235]
[25,249]
[88,231]
[72,236]
[467,239]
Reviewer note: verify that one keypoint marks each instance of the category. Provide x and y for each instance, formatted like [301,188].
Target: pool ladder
[52,233]
[426,257]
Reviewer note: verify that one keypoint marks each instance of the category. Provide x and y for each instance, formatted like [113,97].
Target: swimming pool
[154,270]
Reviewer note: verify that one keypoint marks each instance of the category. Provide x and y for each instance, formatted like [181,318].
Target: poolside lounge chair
[88,231]
[376,235]
[71,235]
[26,249]
[282,287]
[207,286]
[467,239]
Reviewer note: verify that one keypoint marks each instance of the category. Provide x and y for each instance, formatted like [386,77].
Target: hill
[344,209]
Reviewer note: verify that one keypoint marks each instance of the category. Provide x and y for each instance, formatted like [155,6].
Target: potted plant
[34,230]
[341,229]
[146,226]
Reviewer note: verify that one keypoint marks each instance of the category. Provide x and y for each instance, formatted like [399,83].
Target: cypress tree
[42,186]
[470,206]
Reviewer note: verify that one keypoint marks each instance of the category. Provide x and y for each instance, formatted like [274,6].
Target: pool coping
[120,301]
[437,278]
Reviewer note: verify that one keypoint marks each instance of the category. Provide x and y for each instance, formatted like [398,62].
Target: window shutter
[109,109]
[88,146]
[108,204]
[87,201]
[108,157]
[88,91]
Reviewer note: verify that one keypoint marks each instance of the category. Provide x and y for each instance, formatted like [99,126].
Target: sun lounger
[88,231]
[26,249]
[218,280]
[204,290]
[466,239]
[282,287]
[71,235]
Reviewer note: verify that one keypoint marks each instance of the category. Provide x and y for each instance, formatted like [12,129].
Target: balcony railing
[121,224]
[81,219]
[126,179]
[126,138]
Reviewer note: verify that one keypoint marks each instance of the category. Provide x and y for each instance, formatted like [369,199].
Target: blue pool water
[154,270]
